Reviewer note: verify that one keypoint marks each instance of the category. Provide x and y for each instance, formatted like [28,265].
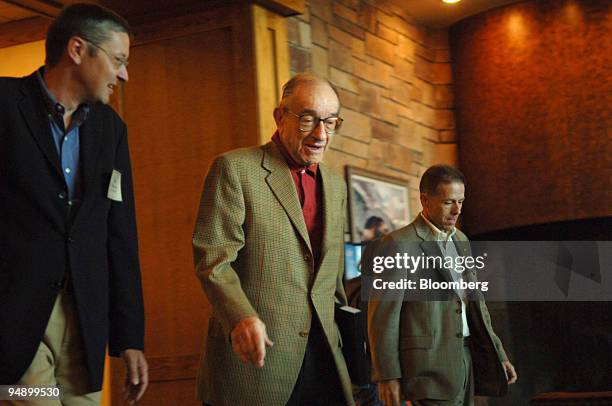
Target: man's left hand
[137,375]
[511,375]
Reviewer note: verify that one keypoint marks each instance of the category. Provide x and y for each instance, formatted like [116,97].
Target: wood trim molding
[573,395]
[45,8]
[285,8]
[23,31]
[272,65]
[572,398]
[173,368]
[173,27]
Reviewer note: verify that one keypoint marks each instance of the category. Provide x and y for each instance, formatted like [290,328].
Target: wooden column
[272,65]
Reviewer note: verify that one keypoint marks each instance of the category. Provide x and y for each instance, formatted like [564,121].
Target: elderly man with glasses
[268,252]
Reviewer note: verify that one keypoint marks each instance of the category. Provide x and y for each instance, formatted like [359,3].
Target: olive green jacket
[421,341]
[253,258]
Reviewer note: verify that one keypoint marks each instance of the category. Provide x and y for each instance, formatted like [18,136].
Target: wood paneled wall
[204,79]
[533,97]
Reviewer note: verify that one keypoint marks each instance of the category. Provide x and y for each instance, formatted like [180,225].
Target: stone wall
[394,80]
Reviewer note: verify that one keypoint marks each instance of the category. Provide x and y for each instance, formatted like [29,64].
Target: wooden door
[191,96]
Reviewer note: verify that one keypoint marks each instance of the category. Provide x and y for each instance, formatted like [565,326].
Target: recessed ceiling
[432,13]
[435,13]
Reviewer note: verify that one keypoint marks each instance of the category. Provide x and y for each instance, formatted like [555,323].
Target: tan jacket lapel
[281,183]
[329,193]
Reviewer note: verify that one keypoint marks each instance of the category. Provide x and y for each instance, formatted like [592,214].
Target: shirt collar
[439,234]
[55,109]
[293,166]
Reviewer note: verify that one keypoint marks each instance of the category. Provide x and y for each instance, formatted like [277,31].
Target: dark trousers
[318,383]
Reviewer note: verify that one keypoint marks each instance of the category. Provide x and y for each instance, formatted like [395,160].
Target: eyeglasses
[116,60]
[308,122]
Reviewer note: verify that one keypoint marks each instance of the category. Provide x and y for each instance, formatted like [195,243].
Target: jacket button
[62,195]
[303,333]
[459,335]
[57,285]
[70,240]
[306,257]
[458,311]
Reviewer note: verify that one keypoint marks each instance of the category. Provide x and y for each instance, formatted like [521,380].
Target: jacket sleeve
[383,314]
[126,299]
[485,311]
[217,240]
[496,341]
[483,307]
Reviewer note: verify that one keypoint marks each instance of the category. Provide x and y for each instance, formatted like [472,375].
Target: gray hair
[303,79]
[88,21]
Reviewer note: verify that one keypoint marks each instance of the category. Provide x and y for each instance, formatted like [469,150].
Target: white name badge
[114,187]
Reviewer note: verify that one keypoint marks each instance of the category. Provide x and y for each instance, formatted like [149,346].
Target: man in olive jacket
[268,249]
[440,348]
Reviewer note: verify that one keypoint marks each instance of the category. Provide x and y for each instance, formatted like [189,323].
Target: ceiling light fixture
[450,1]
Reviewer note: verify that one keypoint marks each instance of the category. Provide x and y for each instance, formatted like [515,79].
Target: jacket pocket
[410,342]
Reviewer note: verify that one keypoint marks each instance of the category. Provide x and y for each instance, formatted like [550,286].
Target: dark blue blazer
[41,241]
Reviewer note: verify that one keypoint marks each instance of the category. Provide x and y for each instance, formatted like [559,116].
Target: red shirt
[308,187]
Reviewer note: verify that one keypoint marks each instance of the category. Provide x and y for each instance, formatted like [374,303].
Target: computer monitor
[352,257]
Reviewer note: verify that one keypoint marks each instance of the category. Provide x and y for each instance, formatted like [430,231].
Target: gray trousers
[466,394]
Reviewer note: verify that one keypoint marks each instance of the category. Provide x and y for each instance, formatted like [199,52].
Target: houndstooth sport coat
[253,257]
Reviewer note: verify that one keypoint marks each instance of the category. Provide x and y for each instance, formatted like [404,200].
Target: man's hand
[389,392]
[137,375]
[249,341]
[511,375]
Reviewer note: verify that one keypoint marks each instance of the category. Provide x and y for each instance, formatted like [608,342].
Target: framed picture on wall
[378,204]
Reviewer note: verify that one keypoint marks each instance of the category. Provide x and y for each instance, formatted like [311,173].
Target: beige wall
[21,60]
[394,80]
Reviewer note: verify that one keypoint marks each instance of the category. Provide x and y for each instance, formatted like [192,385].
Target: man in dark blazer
[69,270]
[438,348]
